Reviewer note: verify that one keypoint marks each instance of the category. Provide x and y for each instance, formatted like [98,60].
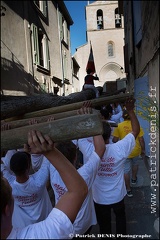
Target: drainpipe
[60,40]
[133,46]
[28,49]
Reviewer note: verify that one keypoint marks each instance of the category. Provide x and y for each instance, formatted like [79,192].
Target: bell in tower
[117,20]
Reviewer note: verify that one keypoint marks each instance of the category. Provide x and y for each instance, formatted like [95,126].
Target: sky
[76,10]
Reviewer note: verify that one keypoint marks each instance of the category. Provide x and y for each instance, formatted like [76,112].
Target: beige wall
[14,75]
[19,75]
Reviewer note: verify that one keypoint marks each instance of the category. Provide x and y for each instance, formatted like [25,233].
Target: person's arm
[99,145]
[7,173]
[70,203]
[116,117]
[142,143]
[7,157]
[95,77]
[98,140]
[129,104]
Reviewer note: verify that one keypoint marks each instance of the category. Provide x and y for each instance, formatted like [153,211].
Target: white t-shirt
[109,185]
[84,141]
[86,216]
[31,200]
[56,226]
[7,158]
[36,160]
[117,114]
[112,130]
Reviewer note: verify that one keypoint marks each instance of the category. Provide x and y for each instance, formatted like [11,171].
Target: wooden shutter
[61,25]
[46,53]
[44,8]
[35,44]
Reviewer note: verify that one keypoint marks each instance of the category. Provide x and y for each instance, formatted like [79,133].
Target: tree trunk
[70,128]
[69,107]
[15,107]
[19,105]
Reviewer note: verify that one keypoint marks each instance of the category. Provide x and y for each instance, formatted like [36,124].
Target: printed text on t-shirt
[106,167]
[60,190]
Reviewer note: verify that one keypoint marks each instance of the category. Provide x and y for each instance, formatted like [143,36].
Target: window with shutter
[40,48]
[63,29]
[42,6]
[35,44]
[60,25]
[46,52]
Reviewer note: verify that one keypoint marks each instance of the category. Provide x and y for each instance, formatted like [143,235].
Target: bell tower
[105,33]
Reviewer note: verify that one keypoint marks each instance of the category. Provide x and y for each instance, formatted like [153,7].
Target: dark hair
[125,115]
[6,194]
[68,149]
[115,104]
[20,162]
[106,130]
[109,108]
[105,113]
[89,71]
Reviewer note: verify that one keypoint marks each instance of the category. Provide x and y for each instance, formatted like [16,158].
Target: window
[64,32]
[99,19]
[110,49]
[42,6]
[40,47]
[118,23]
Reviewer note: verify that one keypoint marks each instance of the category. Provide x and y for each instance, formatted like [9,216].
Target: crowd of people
[84,194]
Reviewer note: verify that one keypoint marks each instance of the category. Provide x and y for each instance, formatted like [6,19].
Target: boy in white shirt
[31,199]
[109,186]
[58,224]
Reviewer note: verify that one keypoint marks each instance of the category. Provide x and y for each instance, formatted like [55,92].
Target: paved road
[140,220]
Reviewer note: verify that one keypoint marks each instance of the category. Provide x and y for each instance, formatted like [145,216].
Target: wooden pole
[74,127]
[56,116]
[73,106]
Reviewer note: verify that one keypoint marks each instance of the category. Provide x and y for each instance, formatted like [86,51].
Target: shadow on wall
[15,78]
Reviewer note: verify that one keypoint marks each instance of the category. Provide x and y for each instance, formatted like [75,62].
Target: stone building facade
[35,48]
[105,33]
